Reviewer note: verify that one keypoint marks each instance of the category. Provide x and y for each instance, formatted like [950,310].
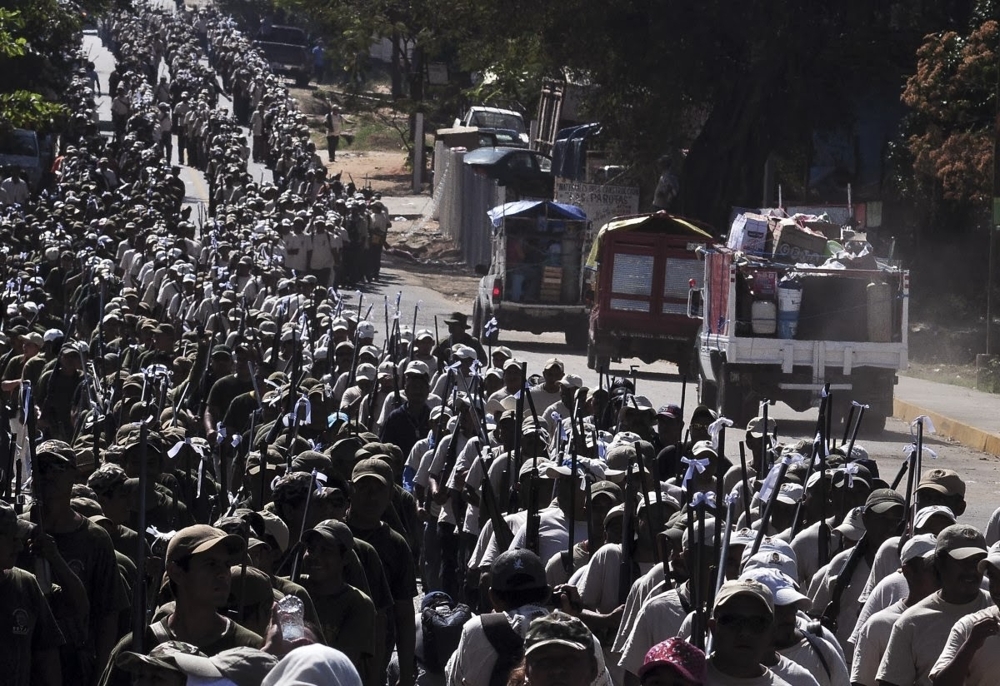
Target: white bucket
[789,302]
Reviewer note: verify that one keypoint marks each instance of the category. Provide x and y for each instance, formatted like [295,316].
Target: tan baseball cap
[747,588]
[201,538]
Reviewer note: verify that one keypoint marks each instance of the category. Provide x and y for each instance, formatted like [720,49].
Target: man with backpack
[492,644]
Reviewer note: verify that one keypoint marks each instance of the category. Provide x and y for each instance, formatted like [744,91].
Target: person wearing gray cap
[921,633]
[884,509]
[971,657]
[871,635]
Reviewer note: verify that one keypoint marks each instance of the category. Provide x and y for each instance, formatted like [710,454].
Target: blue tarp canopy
[532,208]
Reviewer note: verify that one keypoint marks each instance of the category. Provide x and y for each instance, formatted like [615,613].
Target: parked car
[504,127]
[286,48]
[525,173]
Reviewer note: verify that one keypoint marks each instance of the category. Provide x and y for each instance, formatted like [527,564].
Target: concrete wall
[461,200]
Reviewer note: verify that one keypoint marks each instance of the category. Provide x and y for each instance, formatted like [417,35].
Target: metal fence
[461,200]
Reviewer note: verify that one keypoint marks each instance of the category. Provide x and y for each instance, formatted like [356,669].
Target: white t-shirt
[889,590]
[805,656]
[886,562]
[822,593]
[806,548]
[793,673]
[919,636]
[659,619]
[553,533]
[599,584]
[992,532]
[717,678]
[474,659]
[872,638]
[644,587]
[985,665]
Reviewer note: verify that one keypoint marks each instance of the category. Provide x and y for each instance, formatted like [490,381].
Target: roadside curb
[966,434]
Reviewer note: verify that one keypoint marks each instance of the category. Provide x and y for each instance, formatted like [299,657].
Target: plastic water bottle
[290,613]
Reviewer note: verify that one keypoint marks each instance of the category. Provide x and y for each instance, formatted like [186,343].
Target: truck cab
[535,276]
[638,275]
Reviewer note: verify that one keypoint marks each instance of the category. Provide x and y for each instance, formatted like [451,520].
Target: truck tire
[578,334]
[873,424]
[477,322]
[707,391]
[302,80]
[731,402]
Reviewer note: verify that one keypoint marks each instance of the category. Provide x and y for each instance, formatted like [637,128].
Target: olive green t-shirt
[27,626]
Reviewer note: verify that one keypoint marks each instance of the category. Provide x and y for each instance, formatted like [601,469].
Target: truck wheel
[302,80]
[707,391]
[477,322]
[731,403]
[873,424]
[577,333]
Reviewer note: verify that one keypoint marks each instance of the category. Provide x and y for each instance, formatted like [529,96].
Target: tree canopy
[38,42]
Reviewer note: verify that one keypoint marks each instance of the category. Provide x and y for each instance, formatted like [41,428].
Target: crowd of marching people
[218,470]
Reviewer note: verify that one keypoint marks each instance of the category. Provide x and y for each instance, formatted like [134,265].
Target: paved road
[660,382]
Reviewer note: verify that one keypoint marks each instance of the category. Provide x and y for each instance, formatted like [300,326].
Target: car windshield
[498,120]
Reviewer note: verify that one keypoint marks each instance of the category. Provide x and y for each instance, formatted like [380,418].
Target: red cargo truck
[639,275]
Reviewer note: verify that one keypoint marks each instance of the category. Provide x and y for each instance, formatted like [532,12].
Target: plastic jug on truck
[789,302]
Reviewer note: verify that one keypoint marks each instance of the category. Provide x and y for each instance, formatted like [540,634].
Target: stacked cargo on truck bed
[792,303]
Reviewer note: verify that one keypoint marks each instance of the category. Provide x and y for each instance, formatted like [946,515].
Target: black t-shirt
[224,392]
[27,626]
[403,429]
[396,557]
[89,552]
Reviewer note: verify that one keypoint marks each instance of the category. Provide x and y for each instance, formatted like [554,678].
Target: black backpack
[441,622]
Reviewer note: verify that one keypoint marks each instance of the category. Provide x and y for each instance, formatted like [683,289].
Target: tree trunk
[395,68]
[725,166]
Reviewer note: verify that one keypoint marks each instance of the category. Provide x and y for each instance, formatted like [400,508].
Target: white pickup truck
[505,127]
[850,331]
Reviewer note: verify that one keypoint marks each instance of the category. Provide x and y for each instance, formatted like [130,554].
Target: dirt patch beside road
[453,282]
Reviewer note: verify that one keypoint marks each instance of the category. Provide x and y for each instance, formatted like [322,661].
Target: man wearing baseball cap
[512,383]
[972,654]
[741,624]
[884,510]
[198,571]
[921,633]
[29,634]
[871,634]
[347,616]
[929,522]
[493,642]
[410,422]
[669,427]
[559,645]
[816,651]
[549,390]
[937,487]
[373,484]
[89,555]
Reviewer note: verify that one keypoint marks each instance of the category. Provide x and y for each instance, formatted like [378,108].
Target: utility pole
[995,214]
